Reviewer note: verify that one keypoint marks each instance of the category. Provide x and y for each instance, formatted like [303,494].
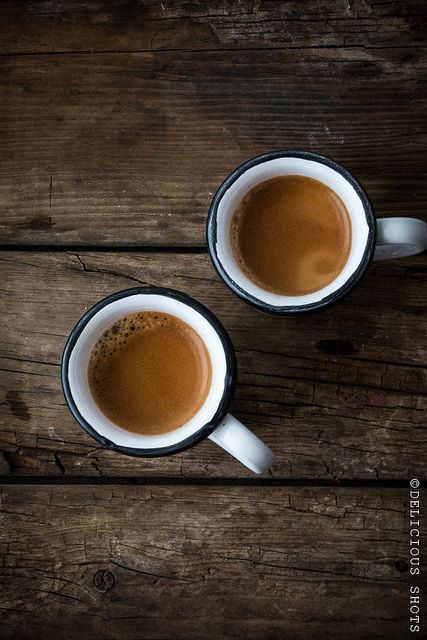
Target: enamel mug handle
[399,237]
[244,445]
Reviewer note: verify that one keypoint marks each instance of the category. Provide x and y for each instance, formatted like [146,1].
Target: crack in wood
[111,272]
[50,192]
[52,364]
[235,50]
[28,373]
[349,576]
[150,574]
[58,462]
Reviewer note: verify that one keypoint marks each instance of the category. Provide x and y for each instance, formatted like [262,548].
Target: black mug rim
[211,234]
[229,382]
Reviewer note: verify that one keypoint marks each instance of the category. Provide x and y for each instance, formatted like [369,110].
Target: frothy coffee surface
[291,235]
[150,372]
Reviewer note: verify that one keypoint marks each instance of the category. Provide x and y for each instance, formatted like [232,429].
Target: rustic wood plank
[81,25]
[338,395]
[127,149]
[203,563]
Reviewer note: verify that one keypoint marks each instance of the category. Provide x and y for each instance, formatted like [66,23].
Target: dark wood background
[118,120]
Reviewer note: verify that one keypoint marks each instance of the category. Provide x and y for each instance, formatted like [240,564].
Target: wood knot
[337,347]
[401,565]
[17,406]
[39,222]
[103,580]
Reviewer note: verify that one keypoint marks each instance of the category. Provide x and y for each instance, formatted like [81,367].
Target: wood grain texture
[338,395]
[82,25]
[203,563]
[128,149]
[118,121]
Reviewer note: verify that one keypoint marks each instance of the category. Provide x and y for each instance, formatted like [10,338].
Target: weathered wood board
[120,25]
[128,149]
[203,563]
[337,394]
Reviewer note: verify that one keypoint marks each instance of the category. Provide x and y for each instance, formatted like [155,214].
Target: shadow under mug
[211,421]
[371,238]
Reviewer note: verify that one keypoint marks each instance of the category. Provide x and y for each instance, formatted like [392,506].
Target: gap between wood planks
[201,481]
[105,248]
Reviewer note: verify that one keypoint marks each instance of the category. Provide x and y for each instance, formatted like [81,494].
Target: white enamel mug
[212,420]
[371,239]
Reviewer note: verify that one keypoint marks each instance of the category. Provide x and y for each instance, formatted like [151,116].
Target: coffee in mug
[293,231]
[291,235]
[149,372]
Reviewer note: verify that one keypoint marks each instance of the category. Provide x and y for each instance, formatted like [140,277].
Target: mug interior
[244,179]
[79,359]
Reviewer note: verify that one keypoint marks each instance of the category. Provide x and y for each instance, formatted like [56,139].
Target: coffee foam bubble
[234,234]
[120,334]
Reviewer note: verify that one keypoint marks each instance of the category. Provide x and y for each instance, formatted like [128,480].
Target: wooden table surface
[118,120]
